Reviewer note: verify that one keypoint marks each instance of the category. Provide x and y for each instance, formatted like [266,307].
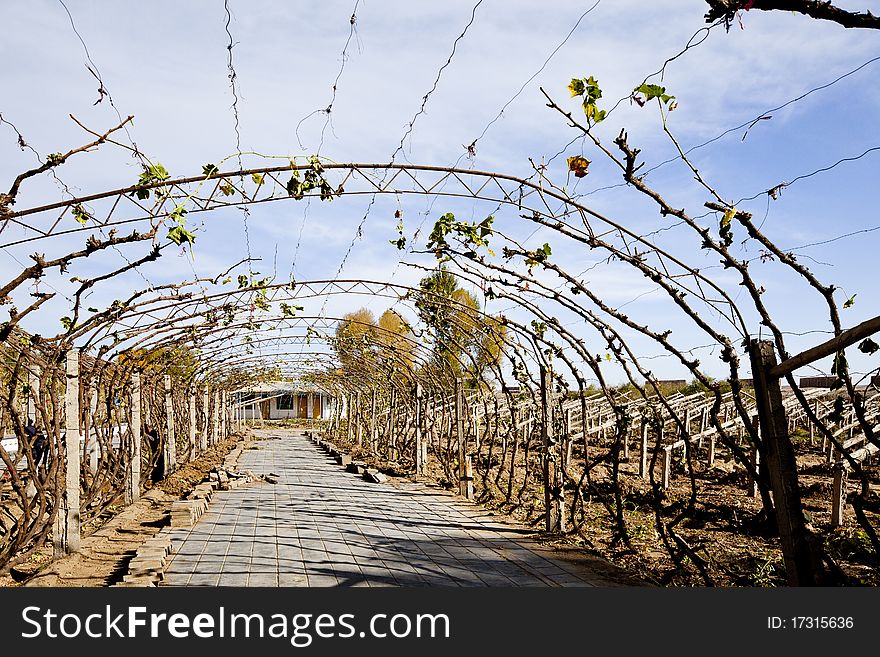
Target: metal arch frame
[306,289]
[513,191]
[188,188]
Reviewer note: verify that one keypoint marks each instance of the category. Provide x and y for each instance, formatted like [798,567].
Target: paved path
[323,526]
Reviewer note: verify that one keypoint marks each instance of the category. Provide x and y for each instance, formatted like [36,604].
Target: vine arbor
[520,407]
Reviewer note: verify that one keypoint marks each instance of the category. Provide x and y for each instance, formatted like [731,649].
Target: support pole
[643,450]
[359,418]
[465,483]
[192,424]
[666,472]
[348,417]
[374,427]
[170,439]
[420,456]
[93,449]
[838,500]
[133,472]
[569,442]
[554,500]
[203,439]
[224,413]
[215,437]
[34,384]
[801,565]
[66,535]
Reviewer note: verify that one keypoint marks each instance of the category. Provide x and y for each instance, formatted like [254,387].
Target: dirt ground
[105,552]
[721,530]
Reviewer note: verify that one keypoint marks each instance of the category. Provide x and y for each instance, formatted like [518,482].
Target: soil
[722,530]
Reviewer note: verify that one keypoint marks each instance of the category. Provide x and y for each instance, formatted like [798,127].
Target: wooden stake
[801,564]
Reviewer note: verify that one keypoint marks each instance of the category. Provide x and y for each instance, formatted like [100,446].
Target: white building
[282,399]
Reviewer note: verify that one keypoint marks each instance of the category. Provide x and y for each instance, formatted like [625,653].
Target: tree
[395,338]
[369,347]
[465,342]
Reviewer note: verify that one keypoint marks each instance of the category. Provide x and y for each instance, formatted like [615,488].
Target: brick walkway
[323,526]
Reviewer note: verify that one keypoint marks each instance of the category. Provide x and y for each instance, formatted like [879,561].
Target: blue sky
[166,63]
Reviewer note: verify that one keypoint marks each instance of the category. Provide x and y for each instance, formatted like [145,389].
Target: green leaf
[257,178]
[242,281]
[67,323]
[209,169]
[227,189]
[81,215]
[152,174]
[290,311]
[868,346]
[849,303]
[180,235]
[651,91]
[589,89]
[177,214]
[54,159]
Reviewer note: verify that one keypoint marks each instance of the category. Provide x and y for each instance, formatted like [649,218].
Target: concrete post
[133,472]
[348,417]
[215,437]
[192,424]
[465,484]
[374,427]
[91,447]
[203,439]
[838,497]
[66,535]
[554,499]
[34,385]
[666,473]
[359,427]
[420,456]
[170,439]
[643,451]
[224,411]
[569,442]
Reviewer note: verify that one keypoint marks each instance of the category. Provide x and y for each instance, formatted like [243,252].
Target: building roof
[281,387]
